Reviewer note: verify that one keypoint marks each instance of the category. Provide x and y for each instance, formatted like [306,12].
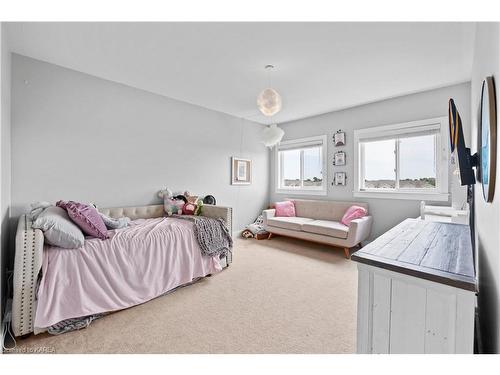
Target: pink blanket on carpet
[134,265]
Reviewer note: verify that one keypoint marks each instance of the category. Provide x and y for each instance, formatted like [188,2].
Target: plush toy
[192,208]
[173,206]
[190,198]
[247,234]
[257,226]
[181,197]
[209,199]
[177,203]
[165,193]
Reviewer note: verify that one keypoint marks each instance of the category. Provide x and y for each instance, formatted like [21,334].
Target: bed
[29,259]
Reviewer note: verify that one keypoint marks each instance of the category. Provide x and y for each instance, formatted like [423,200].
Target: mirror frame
[488,128]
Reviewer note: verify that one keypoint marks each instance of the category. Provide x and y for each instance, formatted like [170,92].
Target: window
[301,166]
[404,161]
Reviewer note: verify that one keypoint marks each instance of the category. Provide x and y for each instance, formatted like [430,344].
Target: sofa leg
[346,252]
[270,236]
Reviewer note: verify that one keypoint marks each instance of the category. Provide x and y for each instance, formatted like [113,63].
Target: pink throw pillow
[86,217]
[284,209]
[353,212]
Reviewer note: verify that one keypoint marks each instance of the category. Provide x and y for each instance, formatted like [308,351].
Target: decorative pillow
[285,209]
[353,212]
[58,228]
[87,218]
[173,206]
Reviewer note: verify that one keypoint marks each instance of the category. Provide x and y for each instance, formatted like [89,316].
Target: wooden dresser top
[439,252]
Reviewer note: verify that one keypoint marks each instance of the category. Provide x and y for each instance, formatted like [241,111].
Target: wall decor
[339,158]
[340,178]
[339,138]
[488,138]
[241,171]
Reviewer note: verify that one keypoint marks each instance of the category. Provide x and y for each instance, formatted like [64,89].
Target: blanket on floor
[212,234]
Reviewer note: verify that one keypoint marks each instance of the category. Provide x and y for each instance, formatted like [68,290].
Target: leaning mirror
[488,138]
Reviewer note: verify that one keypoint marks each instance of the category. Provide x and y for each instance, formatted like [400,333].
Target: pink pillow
[353,212]
[284,209]
[86,217]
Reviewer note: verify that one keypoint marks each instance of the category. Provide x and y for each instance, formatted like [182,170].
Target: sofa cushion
[292,223]
[327,228]
[323,209]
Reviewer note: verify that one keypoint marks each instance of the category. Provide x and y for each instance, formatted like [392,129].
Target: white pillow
[58,228]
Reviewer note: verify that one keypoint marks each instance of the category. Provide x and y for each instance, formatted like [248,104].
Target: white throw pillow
[58,228]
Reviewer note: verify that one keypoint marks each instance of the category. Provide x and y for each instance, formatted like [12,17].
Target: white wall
[75,136]
[487,62]
[4,158]
[429,104]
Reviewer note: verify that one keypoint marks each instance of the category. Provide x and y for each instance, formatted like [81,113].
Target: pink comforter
[135,265]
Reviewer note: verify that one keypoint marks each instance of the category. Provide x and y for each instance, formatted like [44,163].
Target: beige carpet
[278,296]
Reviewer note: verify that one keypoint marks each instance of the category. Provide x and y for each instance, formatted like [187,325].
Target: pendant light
[272,135]
[269,100]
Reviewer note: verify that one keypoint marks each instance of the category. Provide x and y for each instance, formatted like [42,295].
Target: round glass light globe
[269,102]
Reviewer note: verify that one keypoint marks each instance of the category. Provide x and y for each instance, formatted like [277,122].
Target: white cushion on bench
[326,227]
[292,223]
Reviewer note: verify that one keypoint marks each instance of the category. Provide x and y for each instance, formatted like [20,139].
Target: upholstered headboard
[152,211]
[140,212]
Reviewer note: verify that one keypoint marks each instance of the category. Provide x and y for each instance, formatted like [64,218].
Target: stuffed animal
[257,226]
[180,203]
[209,199]
[190,198]
[192,208]
[173,206]
[165,193]
[247,234]
[181,197]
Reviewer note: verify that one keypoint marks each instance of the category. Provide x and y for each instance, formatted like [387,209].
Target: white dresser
[417,290]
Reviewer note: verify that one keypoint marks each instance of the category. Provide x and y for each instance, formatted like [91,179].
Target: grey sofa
[319,221]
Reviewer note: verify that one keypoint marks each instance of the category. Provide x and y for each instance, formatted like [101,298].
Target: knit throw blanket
[212,234]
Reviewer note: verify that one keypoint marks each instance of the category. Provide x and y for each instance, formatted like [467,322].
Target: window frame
[302,143]
[438,125]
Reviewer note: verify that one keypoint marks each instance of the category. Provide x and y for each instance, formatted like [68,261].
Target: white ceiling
[320,67]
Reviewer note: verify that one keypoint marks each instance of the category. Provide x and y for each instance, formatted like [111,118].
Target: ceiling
[320,67]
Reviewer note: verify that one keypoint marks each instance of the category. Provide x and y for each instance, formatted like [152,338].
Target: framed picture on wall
[339,158]
[241,171]
[340,178]
[339,138]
